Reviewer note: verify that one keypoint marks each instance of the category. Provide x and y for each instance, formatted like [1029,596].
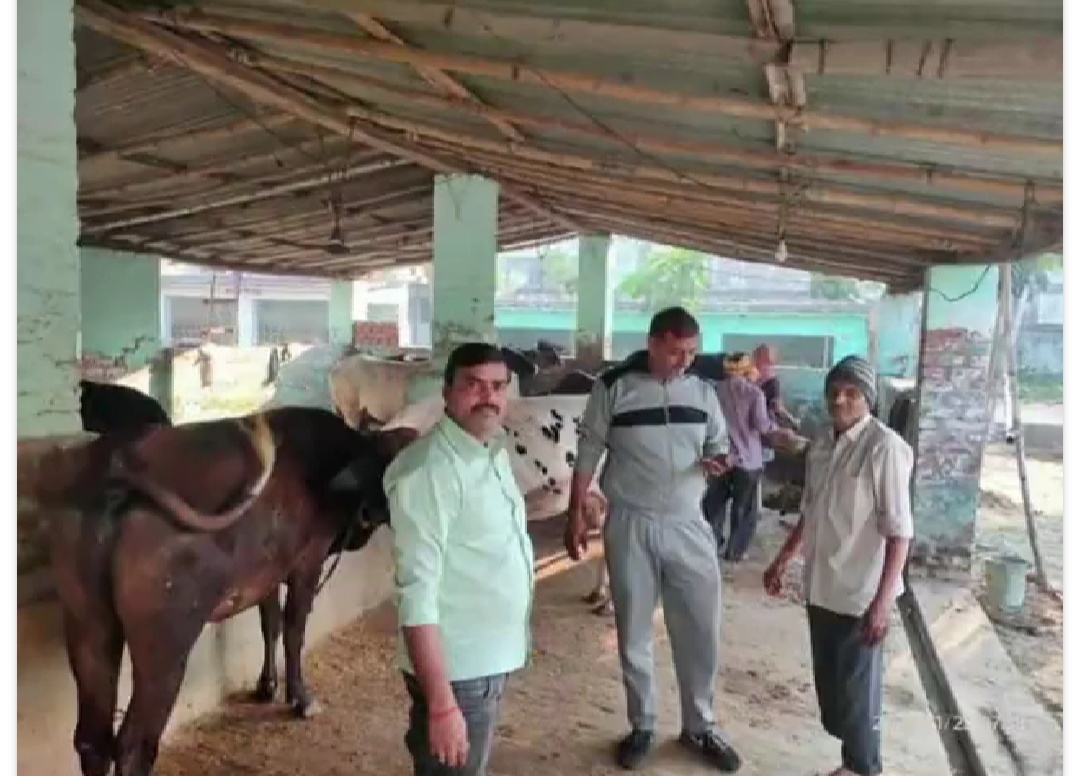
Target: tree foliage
[842,289]
[1034,273]
[669,276]
[551,268]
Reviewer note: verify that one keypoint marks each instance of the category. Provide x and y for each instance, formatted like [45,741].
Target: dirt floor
[1034,637]
[563,714]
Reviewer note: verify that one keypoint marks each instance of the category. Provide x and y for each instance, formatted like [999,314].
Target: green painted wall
[850,330]
[121,307]
[802,387]
[47,259]
[341,312]
[898,323]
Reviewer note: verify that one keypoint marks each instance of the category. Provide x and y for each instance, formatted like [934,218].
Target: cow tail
[262,443]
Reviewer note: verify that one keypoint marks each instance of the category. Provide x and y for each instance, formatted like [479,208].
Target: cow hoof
[604,610]
[594,597]
[264,692]
[306,709]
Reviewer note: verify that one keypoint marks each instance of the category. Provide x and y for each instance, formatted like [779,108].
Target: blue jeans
[478,700]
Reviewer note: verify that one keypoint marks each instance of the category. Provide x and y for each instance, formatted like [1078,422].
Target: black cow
[105,408]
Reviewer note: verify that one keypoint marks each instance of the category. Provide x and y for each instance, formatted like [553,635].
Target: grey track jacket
[654,433]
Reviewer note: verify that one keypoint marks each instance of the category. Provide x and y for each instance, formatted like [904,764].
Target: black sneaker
[633,749]
[714,749]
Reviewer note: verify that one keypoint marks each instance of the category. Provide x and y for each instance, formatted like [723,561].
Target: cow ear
[393,440]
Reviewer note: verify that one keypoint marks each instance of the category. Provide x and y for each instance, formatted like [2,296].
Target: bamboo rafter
[205,60]
[712,151]
[819,193]
[1033,56]
[689,198]
[433,76]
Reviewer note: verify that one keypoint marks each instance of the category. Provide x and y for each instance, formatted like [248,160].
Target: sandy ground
[1034,638]
[563,714]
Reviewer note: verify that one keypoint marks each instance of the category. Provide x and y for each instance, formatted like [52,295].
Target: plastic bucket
[1006,582]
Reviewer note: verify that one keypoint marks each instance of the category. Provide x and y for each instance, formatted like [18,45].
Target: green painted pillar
[595,300]
[47,259]
[897,321]
[960,310]
[127,333]
[463,272]
[341,312]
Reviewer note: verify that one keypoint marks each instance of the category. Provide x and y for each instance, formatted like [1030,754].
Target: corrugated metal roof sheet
[691,48]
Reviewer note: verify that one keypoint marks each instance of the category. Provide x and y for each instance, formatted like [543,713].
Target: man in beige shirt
[854,529]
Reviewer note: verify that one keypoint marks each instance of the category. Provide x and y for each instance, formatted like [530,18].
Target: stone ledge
[1010,730]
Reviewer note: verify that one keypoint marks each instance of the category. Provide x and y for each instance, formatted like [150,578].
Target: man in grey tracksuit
[663,431]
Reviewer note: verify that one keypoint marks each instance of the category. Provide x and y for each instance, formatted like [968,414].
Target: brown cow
[152,539]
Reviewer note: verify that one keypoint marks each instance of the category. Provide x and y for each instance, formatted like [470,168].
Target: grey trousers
[848,674]
[672,559]
[478,700]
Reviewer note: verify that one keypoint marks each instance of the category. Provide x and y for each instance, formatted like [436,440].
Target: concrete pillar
[897,327]
[247,320]
[121,307]
[463,273]
[595,300]
[47,258]
[341,312]
[960,308]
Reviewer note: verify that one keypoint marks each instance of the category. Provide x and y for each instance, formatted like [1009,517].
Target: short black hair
[676,321]
[469,355]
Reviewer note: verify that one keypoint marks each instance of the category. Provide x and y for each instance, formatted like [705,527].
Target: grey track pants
[671,559]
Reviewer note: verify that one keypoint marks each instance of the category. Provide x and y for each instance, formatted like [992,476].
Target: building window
[794,349]
[382,312]
[278,321]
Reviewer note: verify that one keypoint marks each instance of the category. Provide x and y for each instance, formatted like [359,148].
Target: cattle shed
[913,142]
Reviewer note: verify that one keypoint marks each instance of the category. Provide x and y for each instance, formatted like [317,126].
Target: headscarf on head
[765,362]
[737,364]
[858,371]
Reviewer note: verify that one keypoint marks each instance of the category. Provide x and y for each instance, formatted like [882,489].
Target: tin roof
[873,137]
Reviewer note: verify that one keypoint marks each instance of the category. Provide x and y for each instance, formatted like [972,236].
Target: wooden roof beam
[208,61]
[154,143]
[818,193]
[995,50]
[432,75]
[738,249]
[737,107]
[706,151]
[695,199]
[195,256]
[762,238]
[270,192]
[369,207]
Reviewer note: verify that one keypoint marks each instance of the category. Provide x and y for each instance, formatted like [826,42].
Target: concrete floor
[564,712]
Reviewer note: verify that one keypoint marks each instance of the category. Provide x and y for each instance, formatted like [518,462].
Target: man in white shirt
[855,528]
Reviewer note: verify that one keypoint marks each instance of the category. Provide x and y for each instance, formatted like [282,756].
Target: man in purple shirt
[748,421]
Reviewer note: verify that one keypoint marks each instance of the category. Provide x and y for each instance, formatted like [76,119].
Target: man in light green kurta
[464,569]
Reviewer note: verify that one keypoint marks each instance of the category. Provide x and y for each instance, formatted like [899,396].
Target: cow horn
[262,444]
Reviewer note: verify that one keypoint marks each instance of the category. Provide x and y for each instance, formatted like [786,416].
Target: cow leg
[95,646]
[597,594]
[602,593]
[157,670]
[298,605]
[270,622]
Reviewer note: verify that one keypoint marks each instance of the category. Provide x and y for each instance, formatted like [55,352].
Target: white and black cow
[365,387]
